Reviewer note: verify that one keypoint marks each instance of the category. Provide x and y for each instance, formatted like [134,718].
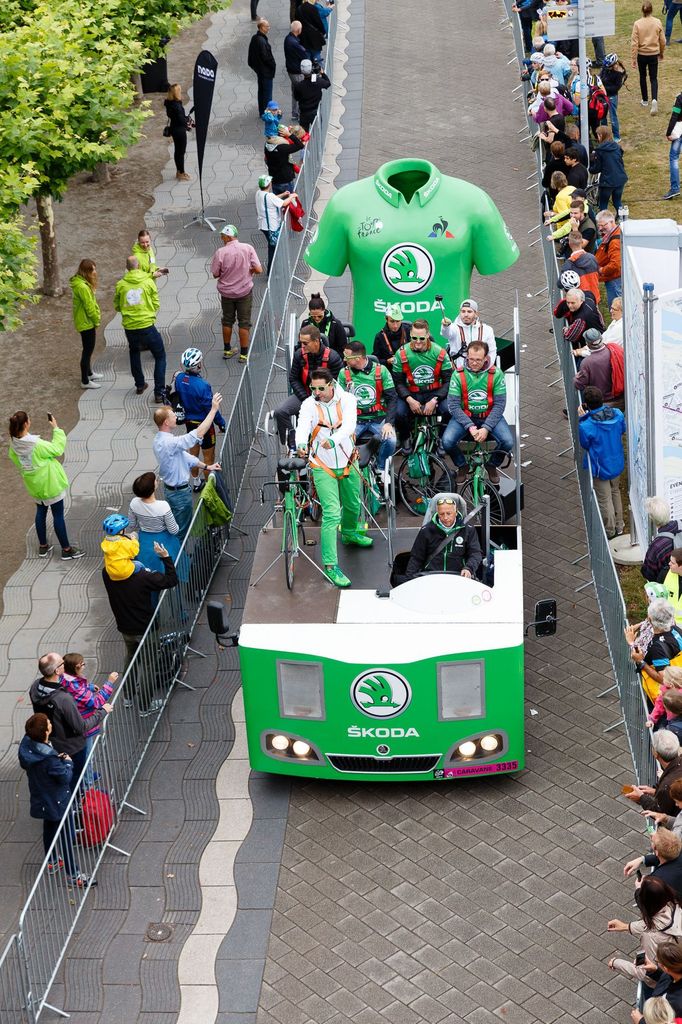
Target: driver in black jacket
[445,544]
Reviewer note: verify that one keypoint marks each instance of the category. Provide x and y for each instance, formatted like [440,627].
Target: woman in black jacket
[326,323]
[607,162]
[179,123]
[313,36]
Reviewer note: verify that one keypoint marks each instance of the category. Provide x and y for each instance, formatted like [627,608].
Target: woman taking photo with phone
[178,123]
[44,478]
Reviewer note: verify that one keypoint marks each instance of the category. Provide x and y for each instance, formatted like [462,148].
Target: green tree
[17,247]
[66,102]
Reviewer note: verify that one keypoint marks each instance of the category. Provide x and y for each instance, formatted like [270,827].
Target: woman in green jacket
[44,478]
[86,317]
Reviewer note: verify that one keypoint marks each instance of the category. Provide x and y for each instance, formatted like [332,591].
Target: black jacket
[294,53]
[613,80]
[313,35]
[68,727]
[131,599]
[175,112]
[387,343]
[669,872]
[577,176]
[277,159]
[332,329]
[585,316]
[661,799]
[260,57]
[462,551]
[607,162]
[299,379]
[308,95]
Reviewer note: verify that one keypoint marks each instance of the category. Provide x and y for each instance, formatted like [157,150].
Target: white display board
[562,21]
[653,365]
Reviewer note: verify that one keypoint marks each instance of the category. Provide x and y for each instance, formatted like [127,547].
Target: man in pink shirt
[234,265]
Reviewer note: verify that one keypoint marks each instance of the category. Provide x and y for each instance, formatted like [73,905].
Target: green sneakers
[335,576]
[359,539]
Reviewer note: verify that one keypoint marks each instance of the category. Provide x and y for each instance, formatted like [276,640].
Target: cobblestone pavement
[487,900]
[482,901]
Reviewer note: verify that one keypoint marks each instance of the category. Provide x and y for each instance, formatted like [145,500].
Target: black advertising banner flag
[205,70]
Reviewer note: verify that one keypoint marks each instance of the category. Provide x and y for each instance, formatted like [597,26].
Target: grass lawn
[643,136]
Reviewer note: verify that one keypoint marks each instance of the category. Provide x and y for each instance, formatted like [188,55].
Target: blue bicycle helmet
[192,358]
[114,524]
[609,60]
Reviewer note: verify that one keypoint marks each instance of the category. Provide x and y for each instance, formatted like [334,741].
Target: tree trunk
[101,174]
[48,241]
[137,82]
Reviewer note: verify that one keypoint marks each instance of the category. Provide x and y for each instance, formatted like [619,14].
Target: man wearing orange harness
[325,436]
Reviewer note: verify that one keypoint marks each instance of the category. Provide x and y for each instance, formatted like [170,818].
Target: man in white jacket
[467,327]
[325,436]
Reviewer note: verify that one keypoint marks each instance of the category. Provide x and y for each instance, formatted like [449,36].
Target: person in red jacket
[608,255]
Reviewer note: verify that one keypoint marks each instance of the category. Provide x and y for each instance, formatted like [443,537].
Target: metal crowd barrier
[32,957]
[603,570]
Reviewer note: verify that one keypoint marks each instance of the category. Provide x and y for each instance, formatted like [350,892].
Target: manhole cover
[158,931]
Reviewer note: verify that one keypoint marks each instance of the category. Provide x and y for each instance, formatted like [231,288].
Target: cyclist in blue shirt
[196,395]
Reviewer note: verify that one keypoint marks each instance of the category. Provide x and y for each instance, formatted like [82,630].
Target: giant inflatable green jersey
[408,234]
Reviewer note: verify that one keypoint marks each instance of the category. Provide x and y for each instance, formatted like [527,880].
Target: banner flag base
[201,218]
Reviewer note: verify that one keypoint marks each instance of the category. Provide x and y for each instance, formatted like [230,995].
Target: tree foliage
[17,246]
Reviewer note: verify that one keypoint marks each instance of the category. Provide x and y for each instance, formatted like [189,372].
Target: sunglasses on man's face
[323,388]
[446,501]
[419,337]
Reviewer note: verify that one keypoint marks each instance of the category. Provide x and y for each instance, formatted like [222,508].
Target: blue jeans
[615,124]
[675,148]
[181,507]
[614,194]
[454,433]
[149,338]
[373,428]
[672,11]
[57,521]
[264,93]
[614,290]
[283,186]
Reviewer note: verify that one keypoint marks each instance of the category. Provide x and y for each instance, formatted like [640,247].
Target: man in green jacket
[144,250]
[137,300]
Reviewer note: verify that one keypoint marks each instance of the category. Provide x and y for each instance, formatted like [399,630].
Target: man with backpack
[601,429]
[69,728]
[602,368]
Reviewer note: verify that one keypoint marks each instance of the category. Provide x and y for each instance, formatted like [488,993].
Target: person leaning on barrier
[311,354]
[657,558]
[446,543]
[666,750]
[69,728]
[656,1010]
[664,859]
[670,985]
[665,644]
[133,603]
[668,821]
[581,313]
[661,920]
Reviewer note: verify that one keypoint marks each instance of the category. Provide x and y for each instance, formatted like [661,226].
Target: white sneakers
[644,103]
[90,385]
[654,106]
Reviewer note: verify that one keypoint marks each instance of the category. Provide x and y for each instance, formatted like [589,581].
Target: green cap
[264,181]
[230,230]
[394,311]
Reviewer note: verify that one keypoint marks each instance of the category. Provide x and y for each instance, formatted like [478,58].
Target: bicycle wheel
[314,508]
[416,492]
[290,548]
[497,516]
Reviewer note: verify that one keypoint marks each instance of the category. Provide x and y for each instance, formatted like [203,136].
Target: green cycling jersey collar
[396,192]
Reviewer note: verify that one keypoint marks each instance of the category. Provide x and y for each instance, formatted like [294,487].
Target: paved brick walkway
[482,901]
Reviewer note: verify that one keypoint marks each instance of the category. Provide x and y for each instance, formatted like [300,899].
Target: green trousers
[335,494]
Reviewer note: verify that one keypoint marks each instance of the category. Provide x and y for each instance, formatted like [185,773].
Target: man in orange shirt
[609,255]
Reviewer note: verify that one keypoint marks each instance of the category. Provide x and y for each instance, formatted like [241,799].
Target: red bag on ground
[296,215]
[97,816]
[617,369]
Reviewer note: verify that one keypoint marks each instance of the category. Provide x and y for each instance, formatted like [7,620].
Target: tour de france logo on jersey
[407,268]
[380,693]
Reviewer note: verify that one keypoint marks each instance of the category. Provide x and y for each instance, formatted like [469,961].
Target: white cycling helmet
[569,279]
[192,358]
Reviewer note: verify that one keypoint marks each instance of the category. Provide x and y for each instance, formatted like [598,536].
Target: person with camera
[325,436]
[44,478]
[422,372]
[466,328]
[177,127]
[196,395]
[308,92]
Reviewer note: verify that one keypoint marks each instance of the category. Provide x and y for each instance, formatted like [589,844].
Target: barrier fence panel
[32,958]
[603,570]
